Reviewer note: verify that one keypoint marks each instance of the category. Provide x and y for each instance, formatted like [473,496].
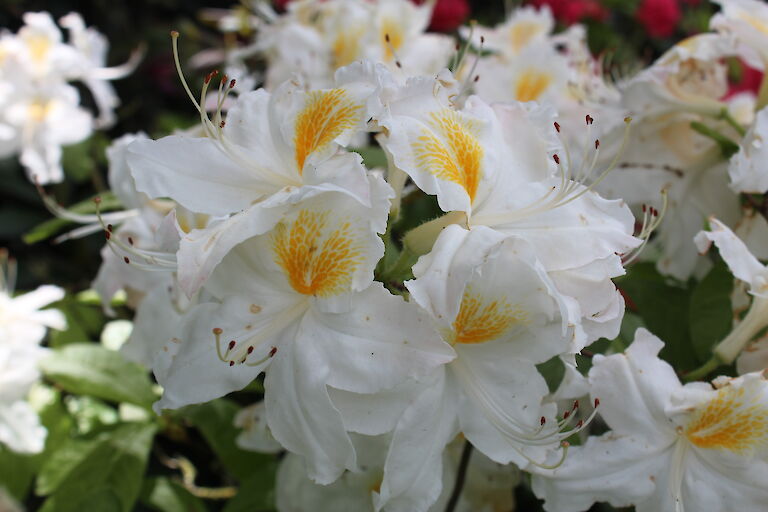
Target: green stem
[728,118]
[727,146]
[703,370]
[461,476]
[762,95]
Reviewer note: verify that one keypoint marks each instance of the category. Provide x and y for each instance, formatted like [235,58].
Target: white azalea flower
[748,269]
[524,27]
[747,22]
[494,303]
[308,316]
[272,151]
[256,435]
[22,327]
[671,448]
[314,39]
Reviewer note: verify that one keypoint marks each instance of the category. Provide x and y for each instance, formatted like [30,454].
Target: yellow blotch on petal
[317,259]
[734,420]
[451,151]
[520,34]
[326,115]
[346,47]
[38,46]
[38,110]
[532,84]
[391,28]
[479,320]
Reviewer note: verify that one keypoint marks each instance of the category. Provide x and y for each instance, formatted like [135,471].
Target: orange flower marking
[733,420]
[317,261]
[451,150]
[346,47]
[479,321]
[532,84]
[326,115]
[521,34]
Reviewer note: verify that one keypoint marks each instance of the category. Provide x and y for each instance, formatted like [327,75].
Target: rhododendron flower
[272,151]
[745,20]
[747,168]
[671,448]
[308,316]
[659,17]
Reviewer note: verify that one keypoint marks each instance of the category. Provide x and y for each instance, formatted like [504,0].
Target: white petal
[20,428]
[301,415]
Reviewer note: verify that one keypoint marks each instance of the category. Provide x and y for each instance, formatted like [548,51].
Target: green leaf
[710,313]
[553,372]
[17,472]
[109,477]
[662,304]
[77,161]
[90,369]
[257,492]
[164,494]
[84,322]
[215,420]
[373,156]
[62,462]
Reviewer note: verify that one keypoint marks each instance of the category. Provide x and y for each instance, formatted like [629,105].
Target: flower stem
[461,475]
[728,118]
[703,370]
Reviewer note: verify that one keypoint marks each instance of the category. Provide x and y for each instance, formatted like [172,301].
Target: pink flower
[573,11]
[448,15]
[751,79]
[659,17]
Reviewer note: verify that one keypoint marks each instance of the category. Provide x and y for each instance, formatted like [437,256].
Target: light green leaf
[90,369]
[109,477]
[257,492]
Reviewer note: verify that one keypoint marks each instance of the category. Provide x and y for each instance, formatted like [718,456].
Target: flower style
[671,448]
[272,151]
[298,303]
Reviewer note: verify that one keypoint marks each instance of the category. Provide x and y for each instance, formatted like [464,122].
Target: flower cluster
[22,327]
[39,110]
[261,247]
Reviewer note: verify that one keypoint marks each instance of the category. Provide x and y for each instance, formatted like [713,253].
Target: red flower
[659,17]
[751,79]
[573,11]
[448,15]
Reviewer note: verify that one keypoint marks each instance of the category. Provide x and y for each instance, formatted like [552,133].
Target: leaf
[553,372]
[62,462]
[164,494]
[257,492]
[109,477]
[90,369]
[663,306]
[373,156]
[17,472]
[84,322]
[215,420]
[710,312]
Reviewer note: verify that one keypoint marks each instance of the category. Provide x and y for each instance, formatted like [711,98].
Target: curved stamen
[651,220]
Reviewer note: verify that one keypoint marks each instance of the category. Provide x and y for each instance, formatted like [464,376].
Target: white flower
[297,303]
[748,269]
[747,168]
[671,448]
[272,151]
[747,22]
[526,26]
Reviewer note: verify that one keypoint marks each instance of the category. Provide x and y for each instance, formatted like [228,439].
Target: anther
[232,83]
[222,123]
[109,227]
[644,207]
[543,420]
[107,234]
[580,424]
[273,352]
[597,402]
[566,414]
[386,37]
[231,363]
[477,77]
[557,126]
[589,119]
[250,350]
[126,260]
[482,39]
[597,143]
[130,240]
[556,159]
[575,404]
[231,345]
